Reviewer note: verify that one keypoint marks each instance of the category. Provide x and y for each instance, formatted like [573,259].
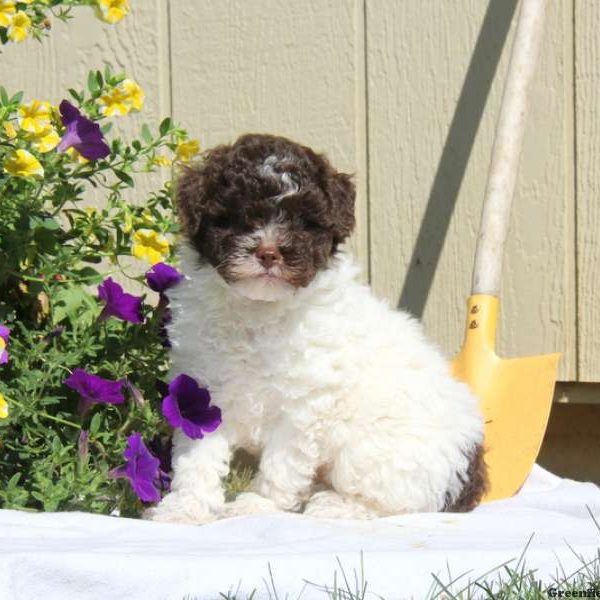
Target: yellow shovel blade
[515,395]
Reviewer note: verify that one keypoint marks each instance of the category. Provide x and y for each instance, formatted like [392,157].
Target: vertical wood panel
[288,68]
[418,56]
[587,80]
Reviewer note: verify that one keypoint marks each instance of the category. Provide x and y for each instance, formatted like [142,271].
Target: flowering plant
[83,361]
[23,19]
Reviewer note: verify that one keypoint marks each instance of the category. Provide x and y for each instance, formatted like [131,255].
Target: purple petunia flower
[94,389]
[82,134]
[4,333]
[142,469]
[187,406]
[119,304]
[162,277]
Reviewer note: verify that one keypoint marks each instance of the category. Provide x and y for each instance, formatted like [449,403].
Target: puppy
[352,411]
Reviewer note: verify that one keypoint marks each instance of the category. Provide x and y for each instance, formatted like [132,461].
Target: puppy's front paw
[247,503]
[180,509]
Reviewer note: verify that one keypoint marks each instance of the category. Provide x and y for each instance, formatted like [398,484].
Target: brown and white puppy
[312,373]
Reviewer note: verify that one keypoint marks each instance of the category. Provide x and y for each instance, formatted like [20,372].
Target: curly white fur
[328,379]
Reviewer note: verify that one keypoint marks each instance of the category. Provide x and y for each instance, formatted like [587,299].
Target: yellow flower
[162,161]
[185,151]
[112,11]
[47,140]
[7,10]
[18,29]
[114,101]
[21,163]
[3,407]
[35,116]
[134,94]
[149,245]
[127,96]
[9,130]
[73,154]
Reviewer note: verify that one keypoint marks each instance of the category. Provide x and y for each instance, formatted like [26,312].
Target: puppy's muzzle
[268,256]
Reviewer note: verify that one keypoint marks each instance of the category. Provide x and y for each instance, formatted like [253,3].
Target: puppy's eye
[221,222]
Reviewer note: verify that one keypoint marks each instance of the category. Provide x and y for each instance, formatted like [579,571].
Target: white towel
[64,556]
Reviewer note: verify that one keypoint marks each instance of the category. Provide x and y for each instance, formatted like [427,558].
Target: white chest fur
[259,359]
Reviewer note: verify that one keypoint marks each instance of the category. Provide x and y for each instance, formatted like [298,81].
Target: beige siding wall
[587,198]
[434,94]
[404,94]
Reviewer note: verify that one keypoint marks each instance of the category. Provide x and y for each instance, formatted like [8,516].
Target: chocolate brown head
[266,212]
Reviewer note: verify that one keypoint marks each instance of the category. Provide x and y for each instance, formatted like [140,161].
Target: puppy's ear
[342,192]
[190,199]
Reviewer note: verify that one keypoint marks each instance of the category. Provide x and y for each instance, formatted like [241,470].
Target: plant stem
[50,417]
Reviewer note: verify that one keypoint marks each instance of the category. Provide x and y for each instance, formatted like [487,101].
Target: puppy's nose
[268,255]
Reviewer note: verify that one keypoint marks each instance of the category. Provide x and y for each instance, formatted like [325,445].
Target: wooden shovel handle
[507,149]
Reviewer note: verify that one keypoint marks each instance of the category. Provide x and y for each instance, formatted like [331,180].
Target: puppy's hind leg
[412,471]
[197,493]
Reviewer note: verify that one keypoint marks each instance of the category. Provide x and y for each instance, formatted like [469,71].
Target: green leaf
[14,481]
[92,82]
[3,96]
[88,274]
[78,96]
[91,258]
[124,177]
[107,73]
[68,302]
[146,134]
[39,496]
[95,423]
[165,126]
[16,99]
[99,80]
[43,222]
[136,145]
[46,241]
[106,128]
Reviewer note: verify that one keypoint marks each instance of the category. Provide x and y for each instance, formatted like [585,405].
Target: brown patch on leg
[323,475]
[475,484]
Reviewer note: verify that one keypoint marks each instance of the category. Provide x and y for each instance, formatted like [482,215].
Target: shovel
[515,394]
